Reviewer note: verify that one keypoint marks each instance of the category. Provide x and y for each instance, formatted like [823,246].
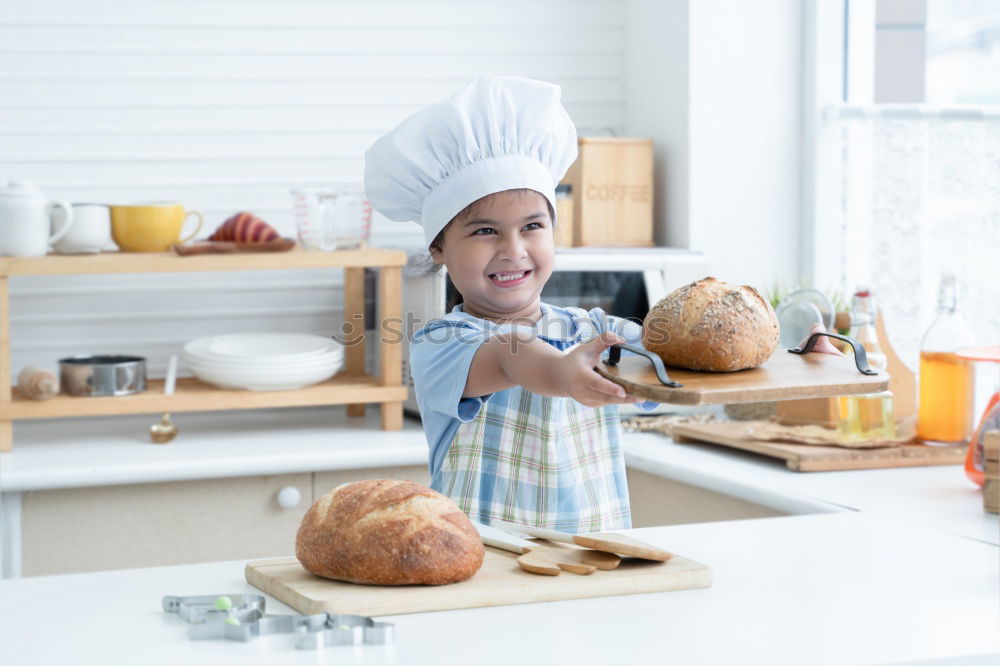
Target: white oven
[622,281]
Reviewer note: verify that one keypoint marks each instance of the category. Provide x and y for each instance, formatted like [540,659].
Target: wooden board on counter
[814,458]
[783,377]
[499,582]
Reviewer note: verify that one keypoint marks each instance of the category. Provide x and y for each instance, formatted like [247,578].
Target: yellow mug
[150,227]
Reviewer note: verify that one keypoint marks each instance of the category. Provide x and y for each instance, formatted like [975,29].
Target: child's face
[501,257]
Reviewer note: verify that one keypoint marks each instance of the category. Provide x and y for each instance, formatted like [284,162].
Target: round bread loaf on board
[712,325]
[388,532]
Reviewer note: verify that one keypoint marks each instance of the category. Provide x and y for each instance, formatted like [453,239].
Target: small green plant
[776,294]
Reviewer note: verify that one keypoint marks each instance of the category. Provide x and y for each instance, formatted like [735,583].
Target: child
[520,426]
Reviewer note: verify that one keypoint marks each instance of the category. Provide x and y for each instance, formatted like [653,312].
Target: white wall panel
[225,106]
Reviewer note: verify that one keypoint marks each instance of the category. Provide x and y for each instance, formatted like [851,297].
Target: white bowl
[268,345]
[335,358]
[257,379]
[262,348]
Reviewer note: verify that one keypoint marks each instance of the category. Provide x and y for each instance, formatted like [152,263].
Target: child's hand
[823,345]
[579,380]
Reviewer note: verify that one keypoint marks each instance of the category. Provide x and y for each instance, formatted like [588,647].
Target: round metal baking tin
[102,374]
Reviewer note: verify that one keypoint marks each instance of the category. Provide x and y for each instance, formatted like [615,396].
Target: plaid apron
[537,460]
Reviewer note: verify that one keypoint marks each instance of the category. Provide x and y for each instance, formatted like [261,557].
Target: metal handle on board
[615,354]
[860,356]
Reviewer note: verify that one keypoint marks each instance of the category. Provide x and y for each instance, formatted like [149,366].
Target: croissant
[245,227]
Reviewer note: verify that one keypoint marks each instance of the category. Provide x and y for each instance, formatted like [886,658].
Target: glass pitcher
[332,218]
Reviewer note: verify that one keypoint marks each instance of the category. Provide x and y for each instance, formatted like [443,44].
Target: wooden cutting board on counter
[499,582]
[784,376]
[814,458]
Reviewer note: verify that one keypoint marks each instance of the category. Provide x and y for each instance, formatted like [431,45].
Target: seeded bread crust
[388,532]
[710,325]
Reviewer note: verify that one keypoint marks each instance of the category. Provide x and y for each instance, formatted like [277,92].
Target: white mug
[26,220]
[91,230]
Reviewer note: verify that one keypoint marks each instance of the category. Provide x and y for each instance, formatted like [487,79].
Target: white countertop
[99,451]
[825,589]
[107,451]
[938,497]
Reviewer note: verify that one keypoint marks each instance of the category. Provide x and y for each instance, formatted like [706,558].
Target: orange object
[245,227]
[982,353]
[946,387]
[974,458]
[944,415]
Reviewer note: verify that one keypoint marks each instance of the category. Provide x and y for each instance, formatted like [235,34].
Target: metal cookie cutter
[245,619]
[345,630]
[860,356]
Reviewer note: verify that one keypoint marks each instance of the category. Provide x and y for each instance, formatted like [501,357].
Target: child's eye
[533,225]
[476,232]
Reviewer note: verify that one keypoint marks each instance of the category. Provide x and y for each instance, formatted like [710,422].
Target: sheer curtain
[919,196]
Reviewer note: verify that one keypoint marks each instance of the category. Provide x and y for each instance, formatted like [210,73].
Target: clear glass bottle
[947,381]
[866,416]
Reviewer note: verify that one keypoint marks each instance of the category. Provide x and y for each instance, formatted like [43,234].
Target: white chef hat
[498,133]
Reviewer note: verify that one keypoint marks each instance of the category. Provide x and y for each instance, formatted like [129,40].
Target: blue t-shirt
[441,354]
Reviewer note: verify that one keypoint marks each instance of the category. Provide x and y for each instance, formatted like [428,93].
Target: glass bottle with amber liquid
[947,382]
[866,416]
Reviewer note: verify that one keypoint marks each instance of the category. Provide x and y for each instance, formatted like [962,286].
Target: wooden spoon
[541,559]
[605,541]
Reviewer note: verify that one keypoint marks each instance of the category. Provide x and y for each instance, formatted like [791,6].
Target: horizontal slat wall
[225,106]
[152,316]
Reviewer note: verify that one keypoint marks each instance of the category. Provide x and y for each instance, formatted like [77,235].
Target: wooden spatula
[545,560]
[604,541]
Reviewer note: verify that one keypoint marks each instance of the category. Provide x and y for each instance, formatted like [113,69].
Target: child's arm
[521,359]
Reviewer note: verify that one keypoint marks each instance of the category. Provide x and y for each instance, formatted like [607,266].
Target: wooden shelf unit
[351,386]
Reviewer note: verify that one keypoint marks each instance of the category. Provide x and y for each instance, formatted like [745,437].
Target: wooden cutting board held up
[784,376]
[499,582]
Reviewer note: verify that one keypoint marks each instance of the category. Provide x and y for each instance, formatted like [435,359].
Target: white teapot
[26,220]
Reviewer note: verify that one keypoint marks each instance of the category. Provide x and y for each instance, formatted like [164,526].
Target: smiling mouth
[508,276]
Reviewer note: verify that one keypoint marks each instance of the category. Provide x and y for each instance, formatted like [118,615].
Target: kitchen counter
[99,451]
[108,451]
[938,497]
[837,588]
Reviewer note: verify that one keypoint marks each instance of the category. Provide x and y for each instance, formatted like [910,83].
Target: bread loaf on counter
[712,325]
[388,532]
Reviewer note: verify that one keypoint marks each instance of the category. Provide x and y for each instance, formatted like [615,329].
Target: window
[907,162]
[963,52]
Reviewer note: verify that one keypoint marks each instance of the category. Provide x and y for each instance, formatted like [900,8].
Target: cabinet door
[157,524]
[659,501]
[323,481]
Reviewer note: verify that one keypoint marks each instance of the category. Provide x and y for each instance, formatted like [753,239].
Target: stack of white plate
[264,361]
